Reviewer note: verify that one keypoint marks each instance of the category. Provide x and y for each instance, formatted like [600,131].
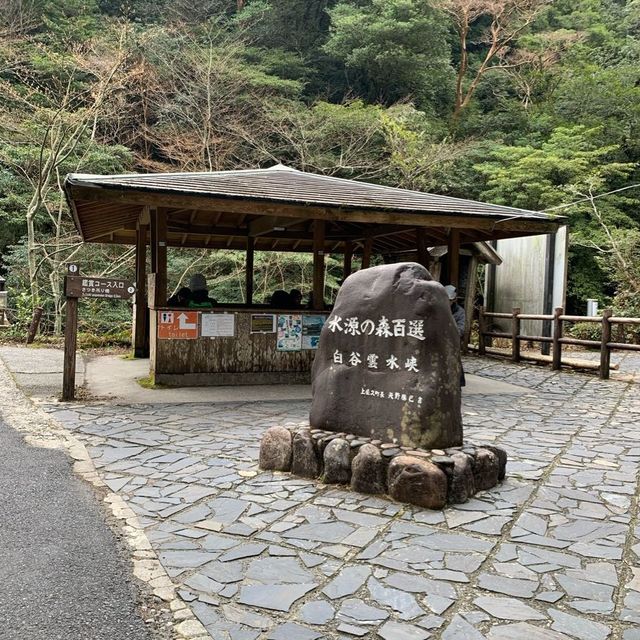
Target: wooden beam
[379,231]
[153,239]
[144,218]
[141,310]
[424,258]
[248,275]
[261,225]
[318,265]
[366,253]
[348,256]
[453,256]
[159,254]
[128,236]
[268,224]
[278,210]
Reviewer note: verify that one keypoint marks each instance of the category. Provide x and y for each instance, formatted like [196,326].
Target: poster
[218,325]
[289,332]
[311,328]
[263,323]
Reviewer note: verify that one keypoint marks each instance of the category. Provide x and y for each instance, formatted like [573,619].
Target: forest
[529,103]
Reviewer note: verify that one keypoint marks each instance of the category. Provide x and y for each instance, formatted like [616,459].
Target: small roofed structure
[278,209]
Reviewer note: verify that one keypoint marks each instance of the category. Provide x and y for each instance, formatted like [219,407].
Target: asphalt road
[61,574]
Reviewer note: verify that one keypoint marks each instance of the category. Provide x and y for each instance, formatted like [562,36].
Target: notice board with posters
[289,336]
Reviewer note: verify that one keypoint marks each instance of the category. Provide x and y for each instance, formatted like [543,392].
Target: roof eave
[71,182]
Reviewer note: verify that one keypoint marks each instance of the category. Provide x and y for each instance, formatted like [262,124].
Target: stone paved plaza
[551,554]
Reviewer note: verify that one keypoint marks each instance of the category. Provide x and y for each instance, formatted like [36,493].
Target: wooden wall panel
[245,353]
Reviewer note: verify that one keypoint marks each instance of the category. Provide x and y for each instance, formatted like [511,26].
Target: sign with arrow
[178,325]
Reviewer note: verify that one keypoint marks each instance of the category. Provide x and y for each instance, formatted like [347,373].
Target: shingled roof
[216,209]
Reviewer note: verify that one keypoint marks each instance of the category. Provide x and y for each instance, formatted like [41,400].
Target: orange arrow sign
[178,326]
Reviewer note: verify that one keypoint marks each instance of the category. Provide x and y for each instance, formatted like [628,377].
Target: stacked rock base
[430,479]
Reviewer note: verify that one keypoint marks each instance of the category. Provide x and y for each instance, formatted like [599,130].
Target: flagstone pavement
[551,554]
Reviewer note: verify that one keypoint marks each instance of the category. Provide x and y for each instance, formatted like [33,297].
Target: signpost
[75,287]
[86,287]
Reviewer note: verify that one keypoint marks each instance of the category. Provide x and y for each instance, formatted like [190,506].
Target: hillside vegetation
[522,102]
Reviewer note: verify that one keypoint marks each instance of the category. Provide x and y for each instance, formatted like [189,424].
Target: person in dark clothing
[459,317]
[180,298]
[199,293]
[456,310]
[280,299]
[295,298]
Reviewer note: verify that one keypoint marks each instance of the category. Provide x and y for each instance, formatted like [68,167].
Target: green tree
[573,164]
[393,50]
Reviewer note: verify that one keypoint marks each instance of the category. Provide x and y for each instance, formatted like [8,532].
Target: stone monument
[388,363]
[386,404]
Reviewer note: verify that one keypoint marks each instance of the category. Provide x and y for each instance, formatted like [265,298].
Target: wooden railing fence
[557,338]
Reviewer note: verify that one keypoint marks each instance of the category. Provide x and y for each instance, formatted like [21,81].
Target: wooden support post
[469,299]
[318,265]
[151,291]
[423,252]
[248,276]
[348,257]
[159,254]
[141,310]
[453,255]
[153,239]
[482,348]
[436,270]
[556,360]
[366,252]
[515,332]
[70,339]
[605,352]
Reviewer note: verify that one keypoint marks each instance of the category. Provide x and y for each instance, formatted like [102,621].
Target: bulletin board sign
[263,323]
[289,337]
[311,328]
[218,325]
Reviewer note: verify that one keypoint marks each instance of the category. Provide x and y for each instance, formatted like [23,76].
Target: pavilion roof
[277,206]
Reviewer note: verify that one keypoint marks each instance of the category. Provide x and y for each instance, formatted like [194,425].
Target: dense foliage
[531,103]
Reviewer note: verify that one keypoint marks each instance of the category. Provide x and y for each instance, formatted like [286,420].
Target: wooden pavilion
[276,209]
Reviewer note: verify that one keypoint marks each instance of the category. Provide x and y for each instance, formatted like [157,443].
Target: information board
[311,328]
[94,287]
[263,323]
[218,325]
[178,325]
[289,332]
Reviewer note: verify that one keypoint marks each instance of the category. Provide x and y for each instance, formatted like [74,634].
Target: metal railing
[557,338]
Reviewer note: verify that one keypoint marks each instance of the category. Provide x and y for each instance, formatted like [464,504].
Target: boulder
[417,481]
[337,462]
[367,470]
[276,449]
[502,460]
[462,484]
[388,361]
[305,461]
[485,469]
